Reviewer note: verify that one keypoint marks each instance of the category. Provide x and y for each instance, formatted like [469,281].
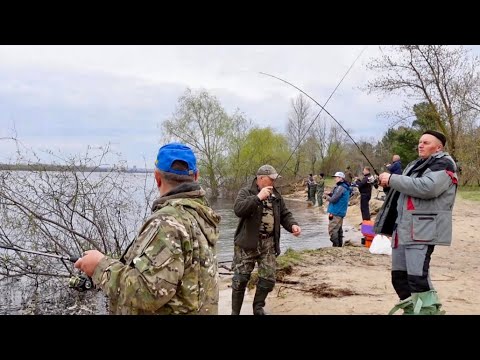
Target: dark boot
[264,286]
[239,284]
[237,301]
[340,237]
[400,284]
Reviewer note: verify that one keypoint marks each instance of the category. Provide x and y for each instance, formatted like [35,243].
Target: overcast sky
[65,98]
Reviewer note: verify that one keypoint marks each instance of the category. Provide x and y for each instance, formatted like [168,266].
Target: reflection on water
[312,220]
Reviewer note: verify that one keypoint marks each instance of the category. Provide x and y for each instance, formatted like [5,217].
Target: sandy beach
[351,280]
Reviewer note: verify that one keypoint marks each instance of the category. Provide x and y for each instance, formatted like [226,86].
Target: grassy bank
[469,192]
[285,263]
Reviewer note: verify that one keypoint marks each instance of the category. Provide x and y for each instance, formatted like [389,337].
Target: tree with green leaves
[262,146]
[402,141]
[424,117]
[312,155]
[201,122]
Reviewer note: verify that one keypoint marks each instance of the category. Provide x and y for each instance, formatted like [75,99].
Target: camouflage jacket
[171,266]
[320,183]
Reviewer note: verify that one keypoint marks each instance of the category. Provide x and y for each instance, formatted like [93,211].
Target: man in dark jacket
[394,168]
[365,189]
[418,215]
[261,210]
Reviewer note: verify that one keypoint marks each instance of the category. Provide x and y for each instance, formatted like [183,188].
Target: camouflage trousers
[312,190]
[264,255]
[335,230]
[320,195]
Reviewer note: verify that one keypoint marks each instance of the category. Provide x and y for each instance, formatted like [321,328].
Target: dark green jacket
[248,208]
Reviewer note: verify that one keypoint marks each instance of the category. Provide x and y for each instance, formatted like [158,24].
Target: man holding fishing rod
[171,266]
[261,210]
[417,213]
[337,208]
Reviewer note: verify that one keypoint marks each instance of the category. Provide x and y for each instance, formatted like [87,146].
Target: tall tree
[312,154]
[263,146]
[233,162]
[402,141]
[335,150]
[445,77]
[424,117]
[299,120]
[201,122]
[469,155]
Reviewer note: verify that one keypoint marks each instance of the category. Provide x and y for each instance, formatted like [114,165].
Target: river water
[312,220]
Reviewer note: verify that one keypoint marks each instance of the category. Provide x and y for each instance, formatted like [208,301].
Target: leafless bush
[65,209]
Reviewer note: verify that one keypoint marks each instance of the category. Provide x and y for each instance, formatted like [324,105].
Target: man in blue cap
[171,266]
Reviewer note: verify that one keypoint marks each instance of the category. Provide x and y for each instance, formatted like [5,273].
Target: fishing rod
[322,108]
[78,282]
[73,259]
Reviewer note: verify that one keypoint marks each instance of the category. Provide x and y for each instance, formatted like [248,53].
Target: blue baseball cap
[176,151]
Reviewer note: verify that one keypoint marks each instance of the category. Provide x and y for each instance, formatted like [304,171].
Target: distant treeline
[51,167]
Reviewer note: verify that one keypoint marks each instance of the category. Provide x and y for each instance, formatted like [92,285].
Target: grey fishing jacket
[418,209]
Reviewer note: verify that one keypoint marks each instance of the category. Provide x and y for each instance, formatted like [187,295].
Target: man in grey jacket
[417,213]
[261,210]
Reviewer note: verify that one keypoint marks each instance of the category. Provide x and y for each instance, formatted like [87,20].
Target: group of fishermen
[171,266]
[315,188]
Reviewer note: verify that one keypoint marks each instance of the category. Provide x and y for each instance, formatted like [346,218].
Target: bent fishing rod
[322,108]
[78,282]
[72,259]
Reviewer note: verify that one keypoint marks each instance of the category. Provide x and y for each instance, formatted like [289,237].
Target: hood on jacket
[191,197]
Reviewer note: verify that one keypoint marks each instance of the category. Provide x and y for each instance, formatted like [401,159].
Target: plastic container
[367,227]
[368,240]
[367,232]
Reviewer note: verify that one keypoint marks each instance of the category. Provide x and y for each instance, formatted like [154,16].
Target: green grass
[285,265]
[469,192]
[290,257]
[329,181]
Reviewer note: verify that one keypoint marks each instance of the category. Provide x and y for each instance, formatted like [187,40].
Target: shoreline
[351,227]
[351,280]
[351,234]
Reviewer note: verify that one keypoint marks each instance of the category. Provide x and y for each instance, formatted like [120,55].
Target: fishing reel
[80,283]
[271,197]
